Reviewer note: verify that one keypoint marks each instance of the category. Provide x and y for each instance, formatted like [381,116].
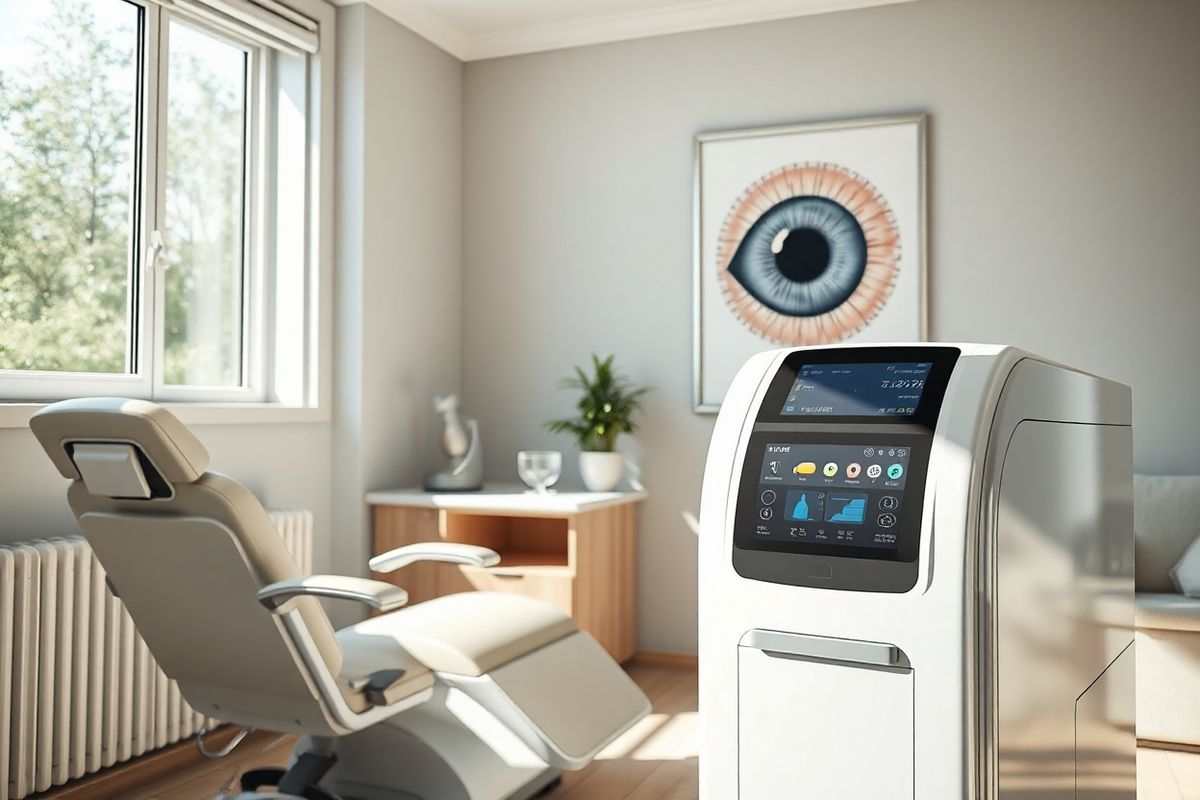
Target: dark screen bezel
[943,358]
[908,544]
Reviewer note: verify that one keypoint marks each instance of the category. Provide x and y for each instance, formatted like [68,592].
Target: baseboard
[1182,747]
[665,659]
[127,776]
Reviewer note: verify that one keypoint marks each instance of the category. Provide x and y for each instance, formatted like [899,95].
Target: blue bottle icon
[801,509]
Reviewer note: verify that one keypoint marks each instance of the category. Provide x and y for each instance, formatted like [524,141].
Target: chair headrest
[161,437]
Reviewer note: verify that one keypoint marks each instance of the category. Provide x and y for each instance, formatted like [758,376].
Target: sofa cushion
[1169,612]
[1166,514]
[1185,575]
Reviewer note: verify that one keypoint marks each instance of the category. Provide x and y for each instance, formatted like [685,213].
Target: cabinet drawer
[823,729]
[550,585]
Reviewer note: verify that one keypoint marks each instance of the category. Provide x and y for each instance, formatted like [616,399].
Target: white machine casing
[1005,671]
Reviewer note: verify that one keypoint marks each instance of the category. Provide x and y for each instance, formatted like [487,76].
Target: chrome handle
[798,644]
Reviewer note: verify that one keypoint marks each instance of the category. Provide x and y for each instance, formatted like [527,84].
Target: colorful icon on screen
[895,471]
[830,469]
[853,470]
[805,468]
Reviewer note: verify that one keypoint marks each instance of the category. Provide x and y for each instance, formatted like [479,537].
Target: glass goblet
[539,469]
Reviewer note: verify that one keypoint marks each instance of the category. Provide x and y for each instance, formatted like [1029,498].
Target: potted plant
[607,404]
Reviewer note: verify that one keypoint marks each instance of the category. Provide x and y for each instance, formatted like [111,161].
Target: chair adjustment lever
[380,683]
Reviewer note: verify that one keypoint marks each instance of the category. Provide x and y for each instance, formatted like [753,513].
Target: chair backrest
[1166,520]
[187,550]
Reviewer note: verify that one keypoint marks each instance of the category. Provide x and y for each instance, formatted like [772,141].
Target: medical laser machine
[916,579]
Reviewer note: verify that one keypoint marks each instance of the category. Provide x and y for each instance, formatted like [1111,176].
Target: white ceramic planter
[601,472]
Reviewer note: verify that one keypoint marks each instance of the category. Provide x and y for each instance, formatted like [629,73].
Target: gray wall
[1064,190]
[399,261]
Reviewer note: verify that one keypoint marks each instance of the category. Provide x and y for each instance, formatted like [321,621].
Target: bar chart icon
[847,507]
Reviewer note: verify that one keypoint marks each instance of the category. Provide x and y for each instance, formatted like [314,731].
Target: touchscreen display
[831,494]
[857,390]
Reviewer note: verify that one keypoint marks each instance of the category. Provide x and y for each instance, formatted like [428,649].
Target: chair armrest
[378,595]
[449,552]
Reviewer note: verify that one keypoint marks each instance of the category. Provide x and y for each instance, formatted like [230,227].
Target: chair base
[430,753]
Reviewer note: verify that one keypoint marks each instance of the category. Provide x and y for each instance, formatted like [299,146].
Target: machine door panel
[1063,606]
[823,729]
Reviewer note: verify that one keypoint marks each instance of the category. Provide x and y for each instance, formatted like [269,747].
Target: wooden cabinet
[577,551]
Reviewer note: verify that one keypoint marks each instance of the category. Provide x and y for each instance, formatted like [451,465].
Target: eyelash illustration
[808,254]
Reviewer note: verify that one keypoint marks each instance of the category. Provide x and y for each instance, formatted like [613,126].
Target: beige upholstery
[189,551]
[171,448]
[189,573]
[1168,612]
[227,501]
[189,565]
[1168,686]
[1166,520]
[359,662]
[463,634]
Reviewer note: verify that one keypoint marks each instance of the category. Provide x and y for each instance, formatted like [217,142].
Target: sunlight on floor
[658,737]
[1168,775]
[1162,774]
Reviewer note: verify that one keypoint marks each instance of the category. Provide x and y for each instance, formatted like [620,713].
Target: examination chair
[473,696]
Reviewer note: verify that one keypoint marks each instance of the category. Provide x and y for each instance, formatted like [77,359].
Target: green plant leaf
[607,405]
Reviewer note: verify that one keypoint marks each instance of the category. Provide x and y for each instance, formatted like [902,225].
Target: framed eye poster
[806,235]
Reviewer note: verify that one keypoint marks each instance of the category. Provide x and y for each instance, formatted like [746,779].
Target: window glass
[205,219]
[68,83]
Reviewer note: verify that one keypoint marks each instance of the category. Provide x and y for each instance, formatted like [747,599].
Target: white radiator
[79,689]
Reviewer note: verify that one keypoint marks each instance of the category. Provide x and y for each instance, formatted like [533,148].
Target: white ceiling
[475,29]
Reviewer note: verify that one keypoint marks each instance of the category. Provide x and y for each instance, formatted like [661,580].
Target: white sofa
[1166,521]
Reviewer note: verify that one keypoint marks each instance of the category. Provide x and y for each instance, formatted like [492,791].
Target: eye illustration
[808,254]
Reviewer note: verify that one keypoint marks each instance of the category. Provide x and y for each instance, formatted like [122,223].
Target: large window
[143,148]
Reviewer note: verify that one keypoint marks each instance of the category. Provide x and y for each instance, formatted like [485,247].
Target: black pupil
[804,255]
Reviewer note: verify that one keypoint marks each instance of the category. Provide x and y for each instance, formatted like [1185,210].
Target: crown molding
[423,21]
[442,31]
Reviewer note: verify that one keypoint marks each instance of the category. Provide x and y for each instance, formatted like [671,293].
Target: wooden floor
[1168,774]
[656,760]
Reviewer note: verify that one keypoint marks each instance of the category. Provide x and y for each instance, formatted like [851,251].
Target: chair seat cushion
[1171,612]
[465,634]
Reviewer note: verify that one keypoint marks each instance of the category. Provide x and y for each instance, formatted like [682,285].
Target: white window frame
[255,257]
[287,388]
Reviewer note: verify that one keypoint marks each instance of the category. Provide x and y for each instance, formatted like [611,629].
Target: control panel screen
[857,390]
[849,495]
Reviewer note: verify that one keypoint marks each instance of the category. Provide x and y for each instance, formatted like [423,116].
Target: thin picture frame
[919,120]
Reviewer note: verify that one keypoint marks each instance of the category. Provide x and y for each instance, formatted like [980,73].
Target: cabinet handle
[798,644]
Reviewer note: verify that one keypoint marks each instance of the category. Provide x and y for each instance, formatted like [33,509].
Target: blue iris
[803,257]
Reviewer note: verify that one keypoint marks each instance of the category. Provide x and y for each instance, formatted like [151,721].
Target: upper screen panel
[860,384]
[858,390]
